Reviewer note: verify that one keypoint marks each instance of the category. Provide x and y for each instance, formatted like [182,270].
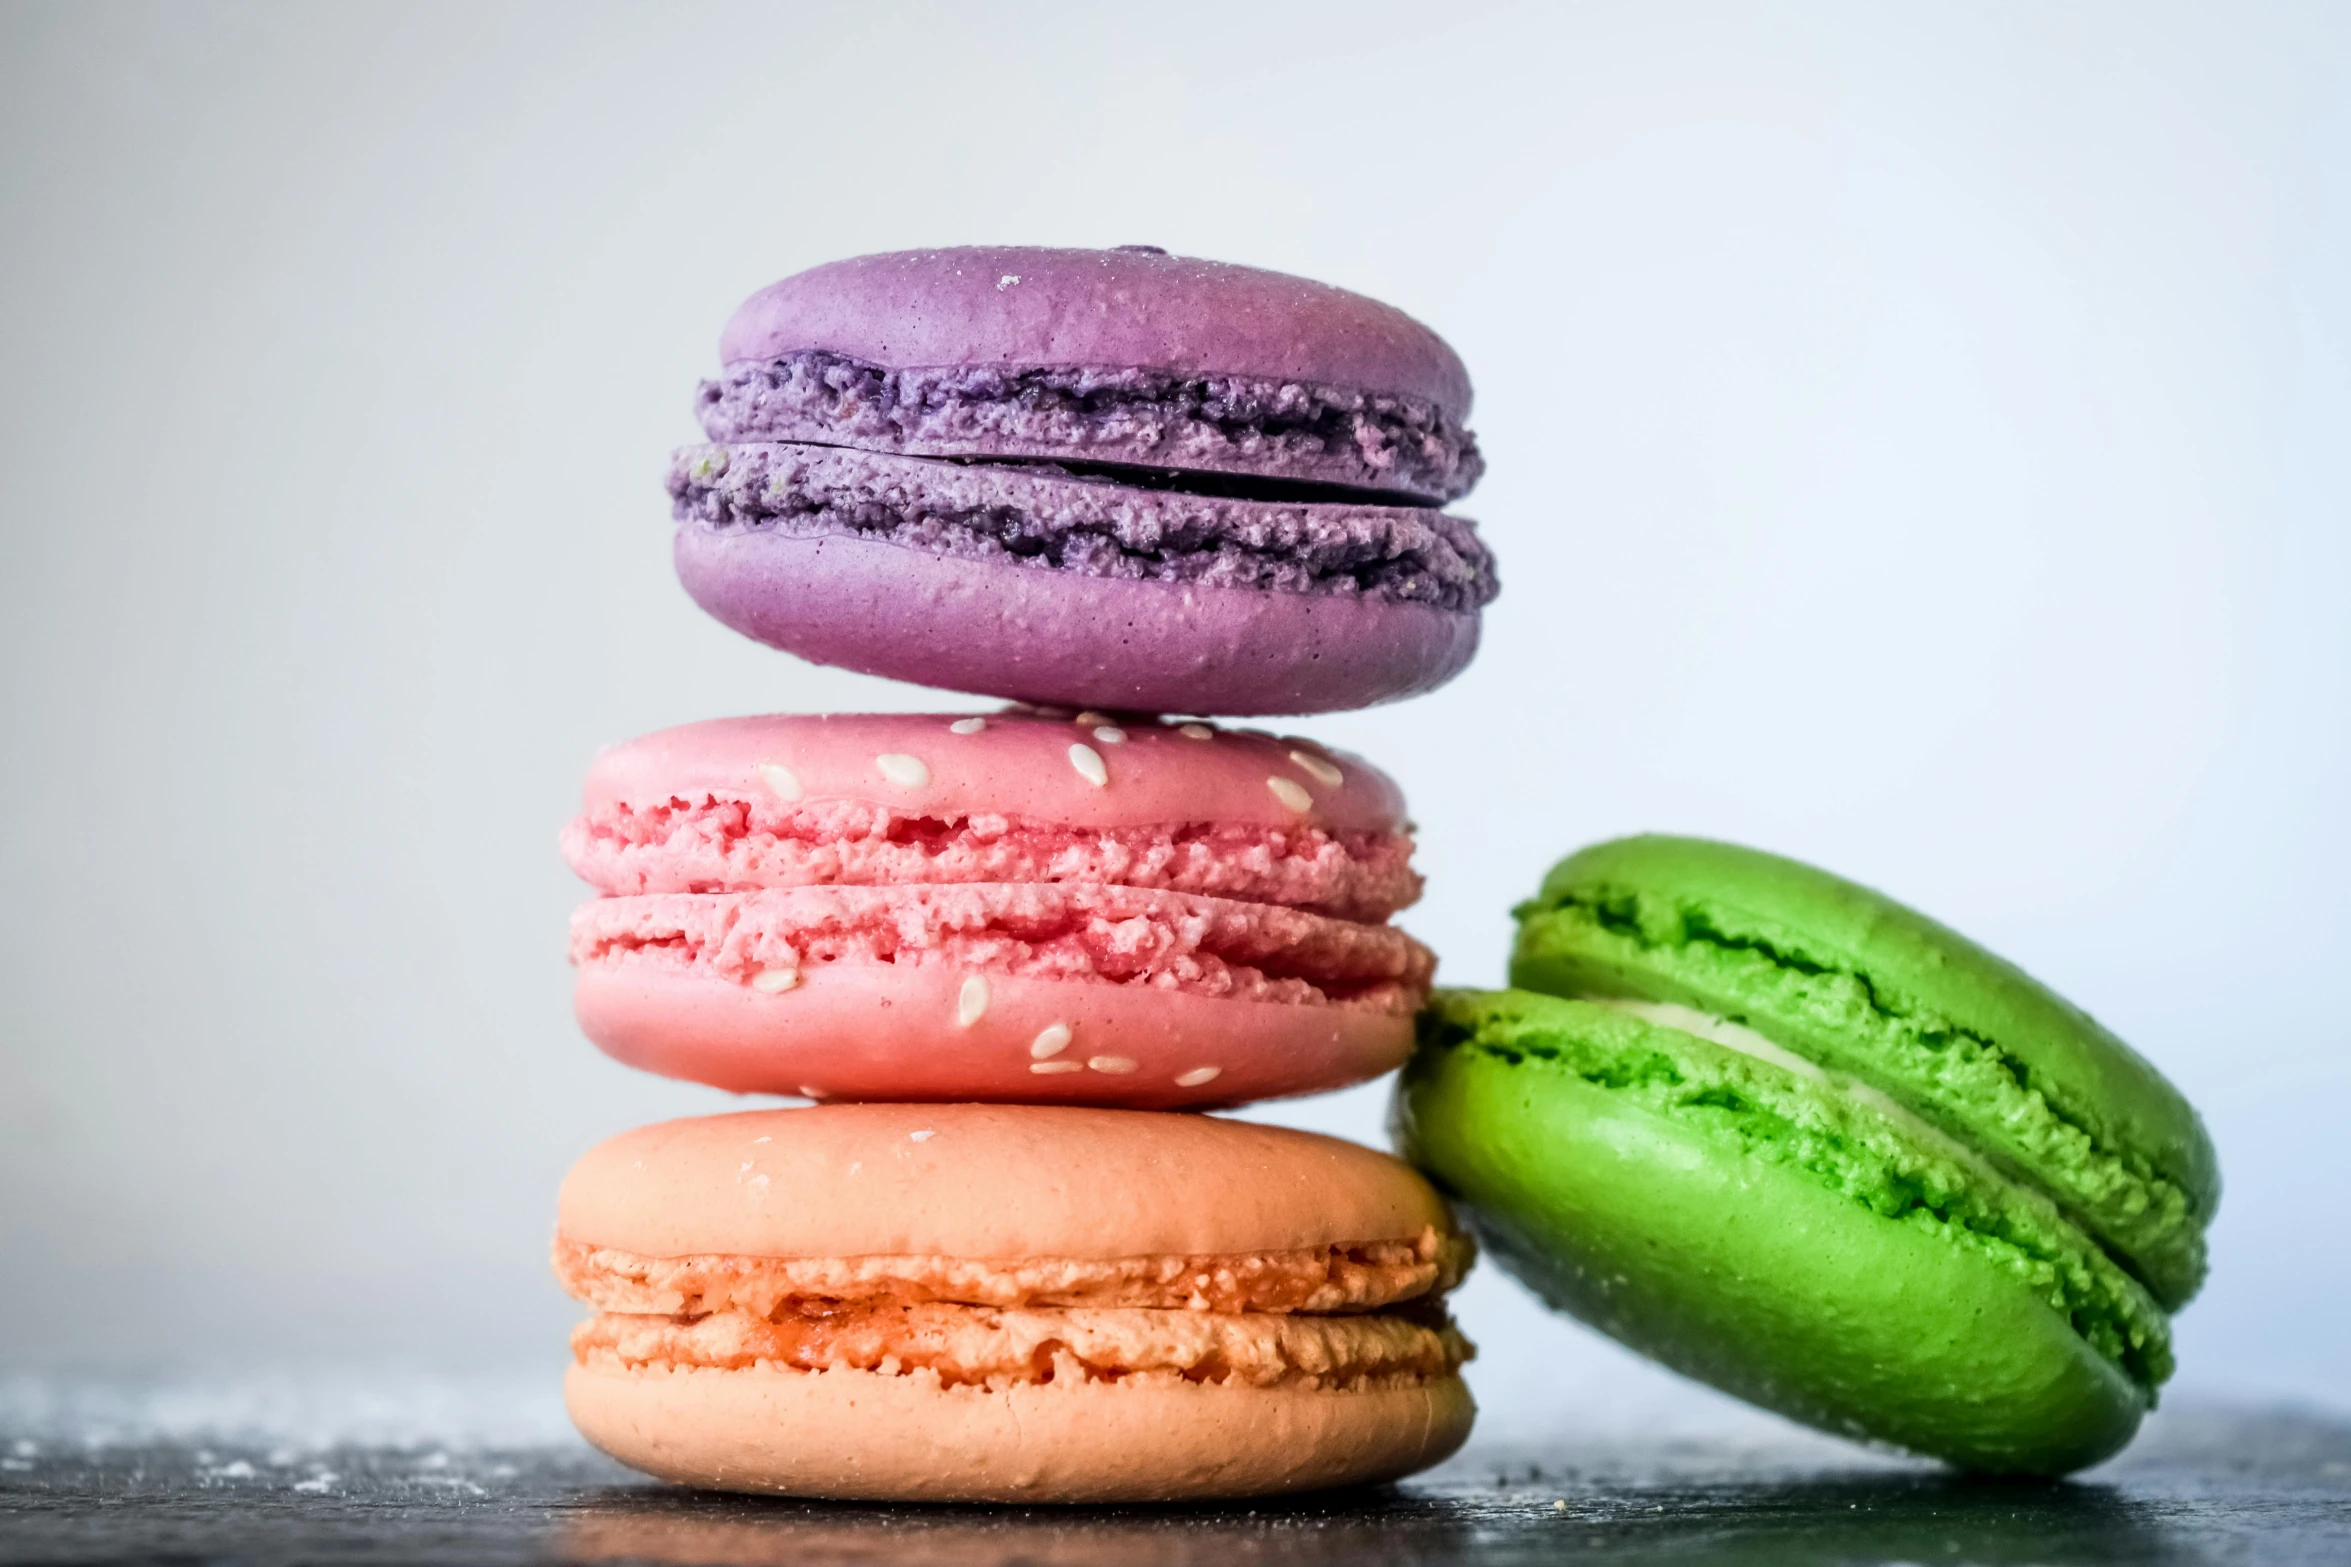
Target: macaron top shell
[1105,773]
[1860,984]
[1133,307]
[998,1182]
[1124,360]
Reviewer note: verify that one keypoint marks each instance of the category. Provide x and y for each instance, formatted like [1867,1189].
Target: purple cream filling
[1290,430]
[1042,516]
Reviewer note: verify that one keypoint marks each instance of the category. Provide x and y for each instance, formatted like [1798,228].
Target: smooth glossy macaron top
[1129,305]
[1268,350]
[1857,983]
[1079,769]
[990,1182]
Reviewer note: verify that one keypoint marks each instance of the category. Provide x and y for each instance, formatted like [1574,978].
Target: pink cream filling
[713,844]
[1105,934]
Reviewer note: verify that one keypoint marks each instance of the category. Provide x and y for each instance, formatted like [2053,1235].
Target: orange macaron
[1009,1303]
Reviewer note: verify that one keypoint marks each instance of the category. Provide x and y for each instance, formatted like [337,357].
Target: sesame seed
[1112,1064]
[1195,731]
[807,1092]
[1317,769]
[762,1140]
[1051,1040]
[971,1002]
[1111,734]
[1090,719]
[774,981]
[1291,794]
[967,726]
[1090,765]
[780,780]
[1042,1067]
[907,772]
[923,1136]
[1198,1075]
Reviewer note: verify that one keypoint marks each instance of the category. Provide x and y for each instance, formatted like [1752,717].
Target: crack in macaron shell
[1598,931]
[996,1346]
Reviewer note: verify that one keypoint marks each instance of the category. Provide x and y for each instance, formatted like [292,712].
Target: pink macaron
[1017,907]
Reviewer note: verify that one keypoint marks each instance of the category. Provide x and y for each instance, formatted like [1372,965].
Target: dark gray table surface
[2210,1484]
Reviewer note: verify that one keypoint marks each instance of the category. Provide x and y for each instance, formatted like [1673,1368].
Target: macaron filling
[706,841]
[1364,1276]
[1718,1030]
[1599,943]
[771,939]
[1841,1139]
[998,1347]
[1046,518]
[1290,429]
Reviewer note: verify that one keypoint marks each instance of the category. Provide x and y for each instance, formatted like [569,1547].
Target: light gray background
[1919,444]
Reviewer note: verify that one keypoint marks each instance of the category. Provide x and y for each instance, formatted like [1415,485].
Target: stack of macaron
[1009,954]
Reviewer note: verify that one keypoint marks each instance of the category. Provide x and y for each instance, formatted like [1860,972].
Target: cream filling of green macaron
[1738,1036]
[1721,1030]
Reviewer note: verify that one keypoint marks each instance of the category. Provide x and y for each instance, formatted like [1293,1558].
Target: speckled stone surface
[121,1474]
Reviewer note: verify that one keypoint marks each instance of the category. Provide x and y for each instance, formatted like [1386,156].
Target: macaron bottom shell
[862,1435]
[1758,1276]
[1035,634]
[901,1034]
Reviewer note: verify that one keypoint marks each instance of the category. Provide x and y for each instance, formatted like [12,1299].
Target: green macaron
[1801,1142]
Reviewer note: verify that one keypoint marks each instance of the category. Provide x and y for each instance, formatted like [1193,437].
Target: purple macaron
[1100,478]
